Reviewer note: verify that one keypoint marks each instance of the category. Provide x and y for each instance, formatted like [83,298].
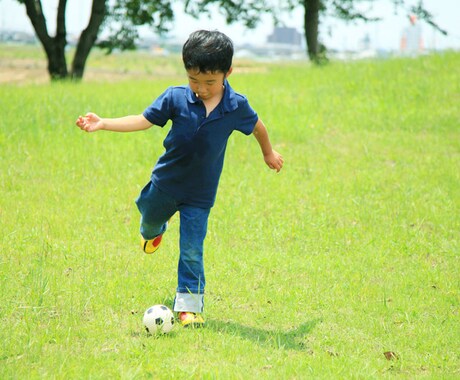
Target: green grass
[351,251]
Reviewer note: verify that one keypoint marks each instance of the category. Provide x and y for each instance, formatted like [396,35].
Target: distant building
[285,35]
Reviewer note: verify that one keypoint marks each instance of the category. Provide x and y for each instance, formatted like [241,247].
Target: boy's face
[207,85]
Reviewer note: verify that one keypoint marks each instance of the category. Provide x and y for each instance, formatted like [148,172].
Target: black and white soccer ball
[158,319]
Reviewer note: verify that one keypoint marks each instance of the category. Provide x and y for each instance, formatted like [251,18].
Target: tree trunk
[54,47]
[60,42]
[311,23]
[88,38]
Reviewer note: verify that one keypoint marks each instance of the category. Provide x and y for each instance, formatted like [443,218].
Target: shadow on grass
[292,339]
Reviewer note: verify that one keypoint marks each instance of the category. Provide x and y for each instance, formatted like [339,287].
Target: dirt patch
[26,71]
[22,71]
[29,71]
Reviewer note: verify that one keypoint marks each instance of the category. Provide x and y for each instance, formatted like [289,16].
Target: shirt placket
[216,114]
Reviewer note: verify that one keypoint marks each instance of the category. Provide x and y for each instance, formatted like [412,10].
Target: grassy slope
[350,252]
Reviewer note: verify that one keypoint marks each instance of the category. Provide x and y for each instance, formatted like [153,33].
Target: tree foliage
[247,12]
[125,16]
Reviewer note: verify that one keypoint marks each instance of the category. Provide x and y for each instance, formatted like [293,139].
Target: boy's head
[208,52]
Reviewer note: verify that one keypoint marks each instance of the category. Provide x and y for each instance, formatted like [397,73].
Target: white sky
[335,34]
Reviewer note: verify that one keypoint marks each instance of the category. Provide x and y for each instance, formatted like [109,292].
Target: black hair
[208,51]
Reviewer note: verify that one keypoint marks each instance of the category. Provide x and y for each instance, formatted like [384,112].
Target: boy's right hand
[90,122]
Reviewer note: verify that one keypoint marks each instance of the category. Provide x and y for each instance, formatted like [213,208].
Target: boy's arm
[92,122]
[272,158]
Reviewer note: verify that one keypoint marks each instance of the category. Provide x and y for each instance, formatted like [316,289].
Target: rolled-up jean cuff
[189,302]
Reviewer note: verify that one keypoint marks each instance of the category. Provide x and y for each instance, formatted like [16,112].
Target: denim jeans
[156,208]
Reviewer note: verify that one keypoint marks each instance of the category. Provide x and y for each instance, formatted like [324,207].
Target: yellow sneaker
[150,246]
[187,319]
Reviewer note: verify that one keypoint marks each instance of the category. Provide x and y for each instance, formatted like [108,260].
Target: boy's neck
[213,102]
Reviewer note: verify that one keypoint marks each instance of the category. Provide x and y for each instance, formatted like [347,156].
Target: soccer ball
[158,319]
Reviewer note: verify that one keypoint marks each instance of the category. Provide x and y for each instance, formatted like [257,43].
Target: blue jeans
[156,208]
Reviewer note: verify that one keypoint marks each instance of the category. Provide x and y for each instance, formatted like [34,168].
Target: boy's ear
[229,72]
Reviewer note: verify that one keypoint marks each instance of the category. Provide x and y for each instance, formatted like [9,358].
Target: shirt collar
[229,102]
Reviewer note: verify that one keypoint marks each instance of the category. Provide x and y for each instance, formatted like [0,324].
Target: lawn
[343,265]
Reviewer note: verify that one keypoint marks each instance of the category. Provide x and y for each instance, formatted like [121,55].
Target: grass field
[351,252]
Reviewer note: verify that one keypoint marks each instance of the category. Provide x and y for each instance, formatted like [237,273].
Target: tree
[139,12]
[55,46]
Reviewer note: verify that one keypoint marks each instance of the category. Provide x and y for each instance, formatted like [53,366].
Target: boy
[186,176]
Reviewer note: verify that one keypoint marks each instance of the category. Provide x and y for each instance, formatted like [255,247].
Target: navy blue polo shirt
[190,168]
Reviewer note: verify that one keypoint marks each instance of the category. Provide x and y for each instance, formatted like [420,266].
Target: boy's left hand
[274,160]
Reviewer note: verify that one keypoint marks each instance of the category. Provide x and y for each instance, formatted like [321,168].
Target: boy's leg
[191,279]
[156,207]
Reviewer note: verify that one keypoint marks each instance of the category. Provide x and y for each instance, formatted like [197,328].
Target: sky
[334,33]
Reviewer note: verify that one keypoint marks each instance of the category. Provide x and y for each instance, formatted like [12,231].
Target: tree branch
[37,18]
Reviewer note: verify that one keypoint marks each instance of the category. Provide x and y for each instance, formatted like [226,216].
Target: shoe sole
[145,246]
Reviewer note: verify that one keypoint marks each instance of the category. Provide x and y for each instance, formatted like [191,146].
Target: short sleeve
[160,111]
[248,117]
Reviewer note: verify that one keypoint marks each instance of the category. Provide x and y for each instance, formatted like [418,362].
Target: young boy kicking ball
[204,114]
